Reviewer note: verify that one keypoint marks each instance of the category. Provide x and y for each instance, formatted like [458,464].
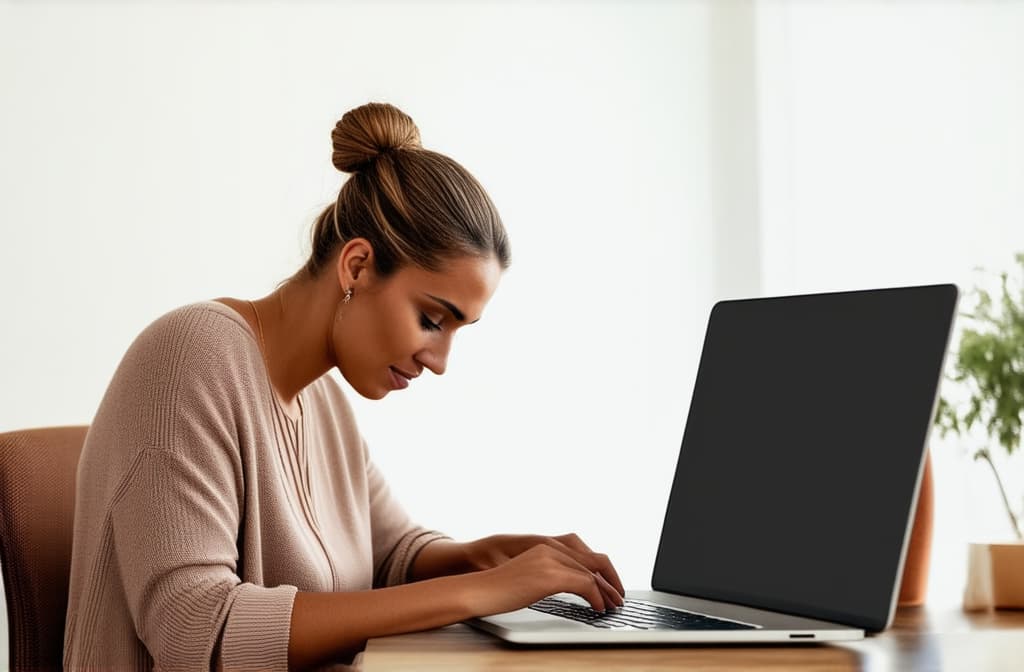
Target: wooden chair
[37,514]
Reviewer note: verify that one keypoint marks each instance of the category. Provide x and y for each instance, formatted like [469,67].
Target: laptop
[790,510]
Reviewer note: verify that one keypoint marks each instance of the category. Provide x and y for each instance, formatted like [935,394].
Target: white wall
[165,153]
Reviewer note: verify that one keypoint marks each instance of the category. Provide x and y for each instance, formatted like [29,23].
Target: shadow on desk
[922,638]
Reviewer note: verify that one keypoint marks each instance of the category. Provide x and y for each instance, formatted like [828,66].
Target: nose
[435,357]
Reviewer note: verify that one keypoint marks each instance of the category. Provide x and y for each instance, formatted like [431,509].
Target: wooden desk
[929,638]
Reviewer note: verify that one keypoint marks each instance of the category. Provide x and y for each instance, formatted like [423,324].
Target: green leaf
[989,365]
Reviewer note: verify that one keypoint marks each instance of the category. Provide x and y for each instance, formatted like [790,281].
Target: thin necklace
[263,351]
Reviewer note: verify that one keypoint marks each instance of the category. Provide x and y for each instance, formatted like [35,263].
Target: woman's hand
[539,571]
[568,550]
[500,548]
[504,572]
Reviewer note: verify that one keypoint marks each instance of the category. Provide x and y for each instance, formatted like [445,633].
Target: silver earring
[348,295]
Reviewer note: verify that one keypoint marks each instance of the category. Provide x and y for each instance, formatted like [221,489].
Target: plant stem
[1006,502]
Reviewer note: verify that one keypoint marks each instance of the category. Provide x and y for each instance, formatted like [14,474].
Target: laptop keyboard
[634,614]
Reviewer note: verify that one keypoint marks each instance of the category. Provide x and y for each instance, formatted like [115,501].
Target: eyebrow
[456,313]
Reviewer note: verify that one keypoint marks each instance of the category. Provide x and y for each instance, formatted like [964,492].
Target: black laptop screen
[801,451]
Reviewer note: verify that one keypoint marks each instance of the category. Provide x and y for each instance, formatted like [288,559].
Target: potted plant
[989,367]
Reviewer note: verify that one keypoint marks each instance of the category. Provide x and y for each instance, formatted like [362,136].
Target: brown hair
[413,205]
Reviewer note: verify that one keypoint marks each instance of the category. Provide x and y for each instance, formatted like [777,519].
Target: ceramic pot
[914,584]
[995,576]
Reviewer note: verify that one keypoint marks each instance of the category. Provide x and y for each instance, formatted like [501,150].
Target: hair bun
[366,132]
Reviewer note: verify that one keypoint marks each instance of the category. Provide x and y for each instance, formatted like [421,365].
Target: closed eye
[428,324]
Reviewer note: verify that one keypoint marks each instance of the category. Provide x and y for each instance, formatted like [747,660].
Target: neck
[296,330]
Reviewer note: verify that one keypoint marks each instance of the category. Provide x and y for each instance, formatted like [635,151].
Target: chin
[373,392]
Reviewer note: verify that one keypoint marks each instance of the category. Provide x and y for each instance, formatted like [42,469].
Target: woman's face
[393,328]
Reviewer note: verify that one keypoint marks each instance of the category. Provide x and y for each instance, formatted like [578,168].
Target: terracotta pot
[914,584]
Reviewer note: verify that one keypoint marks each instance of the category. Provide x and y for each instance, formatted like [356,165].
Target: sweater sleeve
[175,521]
[175,544]
[396,539]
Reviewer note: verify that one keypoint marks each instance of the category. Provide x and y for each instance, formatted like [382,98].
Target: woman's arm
[331,626]
[443,558]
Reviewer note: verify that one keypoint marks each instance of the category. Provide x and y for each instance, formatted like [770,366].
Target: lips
[400,379]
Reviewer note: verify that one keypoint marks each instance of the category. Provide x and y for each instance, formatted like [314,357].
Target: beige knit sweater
[202,508]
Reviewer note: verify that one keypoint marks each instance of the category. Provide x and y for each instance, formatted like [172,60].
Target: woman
[228,513]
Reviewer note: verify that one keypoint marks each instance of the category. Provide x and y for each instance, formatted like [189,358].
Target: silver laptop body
[790,510]
[526,626]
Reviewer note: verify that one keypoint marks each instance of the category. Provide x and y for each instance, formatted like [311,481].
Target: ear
[355,264]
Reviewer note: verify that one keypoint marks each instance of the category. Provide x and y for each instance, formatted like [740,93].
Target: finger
[603,563]
[606,569]
[611,596]
[588,586]
[595,562]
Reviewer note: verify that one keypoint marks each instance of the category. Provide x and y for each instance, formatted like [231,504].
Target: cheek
[392,337]
[404,338]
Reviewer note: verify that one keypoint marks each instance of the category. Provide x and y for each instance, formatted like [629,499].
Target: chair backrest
[37,514]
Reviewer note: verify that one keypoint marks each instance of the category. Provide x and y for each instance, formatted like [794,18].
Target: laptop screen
[801,451]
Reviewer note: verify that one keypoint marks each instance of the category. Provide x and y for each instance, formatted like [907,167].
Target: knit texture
[202,508]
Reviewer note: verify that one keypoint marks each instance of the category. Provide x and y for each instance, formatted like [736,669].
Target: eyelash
[427,324]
